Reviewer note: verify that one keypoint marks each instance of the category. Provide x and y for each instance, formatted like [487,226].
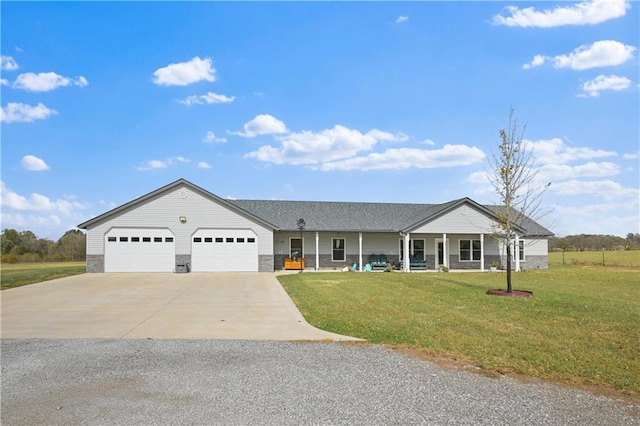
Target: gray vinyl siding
[164,211]
[536,247]
[455,221]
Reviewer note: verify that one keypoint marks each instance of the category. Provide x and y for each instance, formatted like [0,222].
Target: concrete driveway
[251,306]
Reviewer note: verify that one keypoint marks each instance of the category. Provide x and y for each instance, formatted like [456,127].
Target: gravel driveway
[236,382]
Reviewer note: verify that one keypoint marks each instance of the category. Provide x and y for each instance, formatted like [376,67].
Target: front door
[440,254]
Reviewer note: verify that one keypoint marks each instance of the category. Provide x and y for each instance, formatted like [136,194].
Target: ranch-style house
[182,227]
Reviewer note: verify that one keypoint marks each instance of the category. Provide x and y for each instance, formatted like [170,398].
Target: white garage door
[221,250]
[139,250]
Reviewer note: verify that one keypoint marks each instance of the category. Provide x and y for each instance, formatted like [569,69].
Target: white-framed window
[469,250]
[296,247]
[338,252]
[520,251]
[416,248]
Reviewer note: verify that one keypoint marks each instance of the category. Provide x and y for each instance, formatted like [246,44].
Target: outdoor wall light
[182,219]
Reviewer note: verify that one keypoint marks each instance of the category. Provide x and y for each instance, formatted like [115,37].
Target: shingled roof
[357,217]
[339,216]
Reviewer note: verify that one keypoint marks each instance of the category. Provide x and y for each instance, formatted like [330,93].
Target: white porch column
[445,255]
[360,251]
[516,252]
[482,252]
[406,266]
[317,251]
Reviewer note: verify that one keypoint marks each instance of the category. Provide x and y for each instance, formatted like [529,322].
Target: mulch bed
[514,293]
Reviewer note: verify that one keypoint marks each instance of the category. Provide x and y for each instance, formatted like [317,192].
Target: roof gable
[165,189]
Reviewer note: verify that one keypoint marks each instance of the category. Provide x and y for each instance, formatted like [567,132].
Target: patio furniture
[416,263]
[378,262]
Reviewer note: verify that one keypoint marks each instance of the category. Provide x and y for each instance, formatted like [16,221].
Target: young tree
[513,176]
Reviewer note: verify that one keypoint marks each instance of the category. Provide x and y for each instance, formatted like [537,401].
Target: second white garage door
[224,250]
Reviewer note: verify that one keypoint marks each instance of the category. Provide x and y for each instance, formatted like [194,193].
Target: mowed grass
[581,327]
[620,258]
[16,275]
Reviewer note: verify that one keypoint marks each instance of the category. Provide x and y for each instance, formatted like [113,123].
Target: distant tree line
[589,242]
[25,246]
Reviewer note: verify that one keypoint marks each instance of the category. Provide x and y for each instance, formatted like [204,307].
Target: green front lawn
[16,275]
[580,327]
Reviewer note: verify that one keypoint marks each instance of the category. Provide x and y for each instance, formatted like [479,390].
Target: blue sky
[384,102]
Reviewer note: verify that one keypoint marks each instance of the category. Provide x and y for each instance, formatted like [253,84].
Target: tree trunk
[509,289]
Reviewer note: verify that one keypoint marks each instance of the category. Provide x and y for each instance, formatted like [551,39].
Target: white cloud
[162,164]
[30,162]
[552,158]
[605,82]
[46,81]
[402,19]
[428,142]
[31,222]
[185,73]
[584,13]
[203,165]
[17,112]
[209,98]
[608,217]
[212,138]
[7,63]
[405,158]
[263,124]
[37,202]
[556,172]
[154,164]
[479,178]
[632,156]
[603,53]
[535,62]
[554,151]
[606,189]
[308,147]
[4,82]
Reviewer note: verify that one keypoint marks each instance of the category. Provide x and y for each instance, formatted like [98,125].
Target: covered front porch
[407,252]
